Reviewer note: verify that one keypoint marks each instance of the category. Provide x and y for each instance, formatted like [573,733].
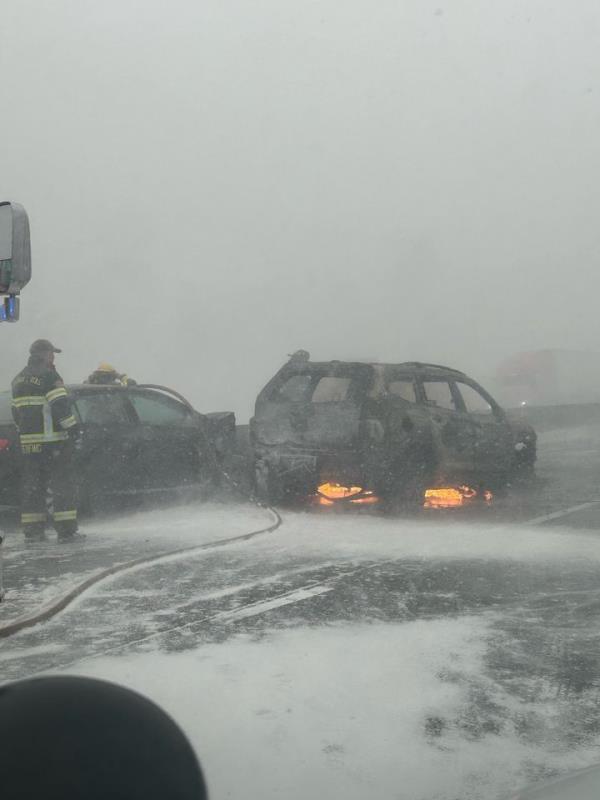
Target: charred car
[354,432]
[137,442]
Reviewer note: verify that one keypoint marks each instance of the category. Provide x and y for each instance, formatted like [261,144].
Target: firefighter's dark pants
[43,467]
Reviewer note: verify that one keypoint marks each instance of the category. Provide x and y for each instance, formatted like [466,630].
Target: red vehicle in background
[548,378]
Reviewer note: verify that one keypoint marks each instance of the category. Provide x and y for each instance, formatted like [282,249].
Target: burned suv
[356,432]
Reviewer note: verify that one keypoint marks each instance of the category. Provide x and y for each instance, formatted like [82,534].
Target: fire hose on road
[58,604]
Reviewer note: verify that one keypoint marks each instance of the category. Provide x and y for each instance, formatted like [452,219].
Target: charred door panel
[493,438]
[452,432]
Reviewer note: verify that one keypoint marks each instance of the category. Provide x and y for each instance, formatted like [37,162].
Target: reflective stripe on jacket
[41,406]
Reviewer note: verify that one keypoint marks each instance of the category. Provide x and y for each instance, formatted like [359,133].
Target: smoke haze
[213,185]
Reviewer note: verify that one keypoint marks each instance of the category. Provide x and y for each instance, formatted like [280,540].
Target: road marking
[278,577]
[558,514]
[253,609]
[256,608]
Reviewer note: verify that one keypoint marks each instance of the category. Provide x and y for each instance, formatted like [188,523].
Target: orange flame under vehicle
[454,496]
[329,494]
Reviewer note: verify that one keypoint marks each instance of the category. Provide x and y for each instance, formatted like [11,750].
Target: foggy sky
[212,185]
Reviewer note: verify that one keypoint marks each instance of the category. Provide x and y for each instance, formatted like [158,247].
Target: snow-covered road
[379,657]
[35,576]
[347,656]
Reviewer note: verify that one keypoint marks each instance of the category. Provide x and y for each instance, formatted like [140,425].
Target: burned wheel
[407,484]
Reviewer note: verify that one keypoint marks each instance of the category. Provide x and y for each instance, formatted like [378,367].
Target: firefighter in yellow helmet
[107,375]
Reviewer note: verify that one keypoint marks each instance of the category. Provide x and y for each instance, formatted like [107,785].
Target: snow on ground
[181,525]
[342,713]
[166,527]
[36,575]
[359,710]
[408,709]
[437,536]
[31,584]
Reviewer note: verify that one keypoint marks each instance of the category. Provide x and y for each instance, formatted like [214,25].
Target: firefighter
[107,375]
[49,434]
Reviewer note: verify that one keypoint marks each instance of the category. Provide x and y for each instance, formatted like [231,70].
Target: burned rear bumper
[308,468]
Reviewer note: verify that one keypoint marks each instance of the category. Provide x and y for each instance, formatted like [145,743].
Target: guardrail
[547,418]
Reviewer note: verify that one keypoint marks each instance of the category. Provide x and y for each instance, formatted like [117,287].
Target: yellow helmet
[104,367]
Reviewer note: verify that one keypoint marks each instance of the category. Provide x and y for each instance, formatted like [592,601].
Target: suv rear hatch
[312,406]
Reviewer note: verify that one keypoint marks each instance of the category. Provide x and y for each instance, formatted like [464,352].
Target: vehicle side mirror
[15,258]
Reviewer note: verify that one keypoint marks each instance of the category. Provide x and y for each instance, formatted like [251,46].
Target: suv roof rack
[303,356]
[434,366]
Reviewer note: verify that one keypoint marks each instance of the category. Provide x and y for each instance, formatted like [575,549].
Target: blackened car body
[137,441]
[389,429]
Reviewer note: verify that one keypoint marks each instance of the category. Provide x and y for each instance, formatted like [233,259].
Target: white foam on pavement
[362,538]
[341,713]
[37,575]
